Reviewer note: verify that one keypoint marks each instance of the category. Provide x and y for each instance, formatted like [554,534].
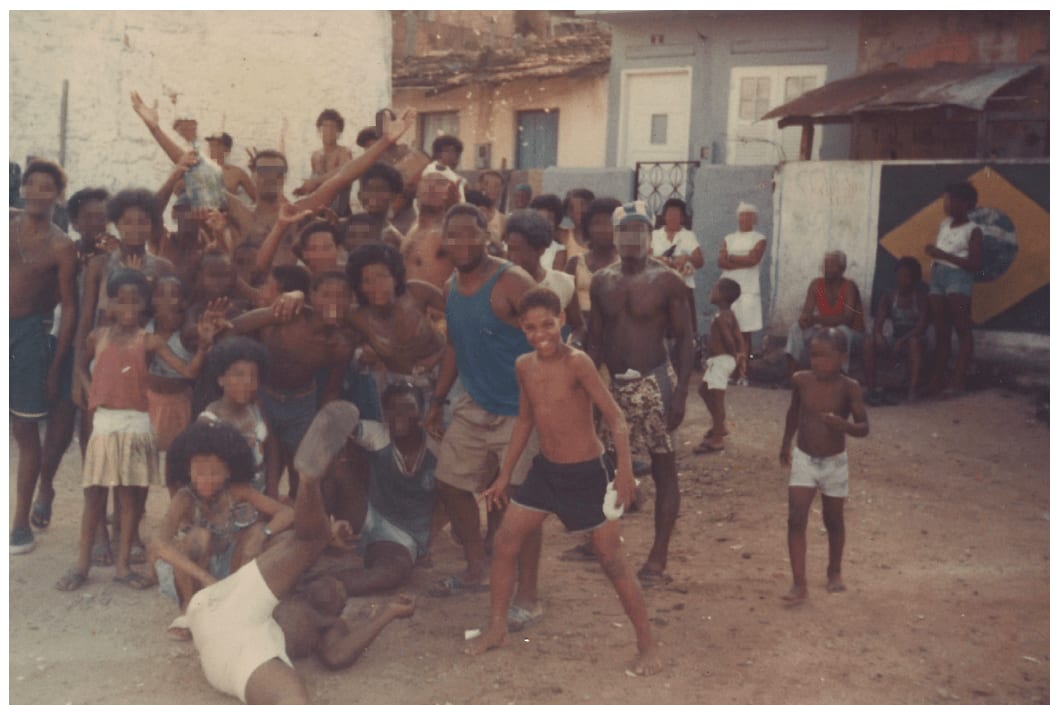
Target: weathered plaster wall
[261,76]
[488,115]
[924,38]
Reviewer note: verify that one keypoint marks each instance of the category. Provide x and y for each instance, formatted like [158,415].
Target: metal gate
[657,182]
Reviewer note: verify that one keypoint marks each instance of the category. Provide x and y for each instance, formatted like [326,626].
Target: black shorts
[574,492]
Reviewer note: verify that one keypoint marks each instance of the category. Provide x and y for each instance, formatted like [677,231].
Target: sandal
[706,447]
[137,554]
[518,617]
[40,514]
[134,580]
[453,585]
[71,581]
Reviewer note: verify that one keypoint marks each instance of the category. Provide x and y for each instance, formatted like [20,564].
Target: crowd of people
[394,354]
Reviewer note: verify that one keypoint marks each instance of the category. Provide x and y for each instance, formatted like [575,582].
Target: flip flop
[453,585]
[71,581]
[40,514]
[518,617]
[134,580]
[704,447]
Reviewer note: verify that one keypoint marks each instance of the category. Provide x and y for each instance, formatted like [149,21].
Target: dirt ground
[947,564]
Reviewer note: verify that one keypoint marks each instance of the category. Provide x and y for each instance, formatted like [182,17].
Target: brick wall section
[263,77]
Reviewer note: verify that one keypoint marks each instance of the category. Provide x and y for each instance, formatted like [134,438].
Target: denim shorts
[946,280]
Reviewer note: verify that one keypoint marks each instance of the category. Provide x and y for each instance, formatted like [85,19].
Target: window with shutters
[754,91]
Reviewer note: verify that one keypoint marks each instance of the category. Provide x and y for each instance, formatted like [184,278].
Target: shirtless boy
[558,388]
[300,349]
[727,350]
[43,260]
[822,400]
[636,304]
[379,186]
[424,256]
[220,145]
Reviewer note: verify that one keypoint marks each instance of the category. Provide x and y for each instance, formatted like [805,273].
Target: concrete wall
[821,207]
[261,76]
[717,192]
[487,114]
[715,42]
[614,183]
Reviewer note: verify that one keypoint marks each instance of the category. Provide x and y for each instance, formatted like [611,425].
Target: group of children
[225,362]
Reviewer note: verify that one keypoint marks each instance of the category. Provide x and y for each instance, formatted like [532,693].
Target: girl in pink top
[121,452]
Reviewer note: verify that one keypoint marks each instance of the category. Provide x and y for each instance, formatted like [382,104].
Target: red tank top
[824,306]
[119,377]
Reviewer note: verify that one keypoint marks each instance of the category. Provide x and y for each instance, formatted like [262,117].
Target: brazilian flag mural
[1012,290]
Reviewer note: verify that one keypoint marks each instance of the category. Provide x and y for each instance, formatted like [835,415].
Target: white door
[754,91]
[655,116]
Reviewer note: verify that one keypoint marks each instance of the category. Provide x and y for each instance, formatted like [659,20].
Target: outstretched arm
[352,170]
[288,215]
[149,115]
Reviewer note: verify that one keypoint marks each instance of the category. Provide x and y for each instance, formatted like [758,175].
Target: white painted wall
[821,206]
[263,77]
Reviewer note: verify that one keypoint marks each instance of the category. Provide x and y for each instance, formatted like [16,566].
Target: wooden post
[807,134]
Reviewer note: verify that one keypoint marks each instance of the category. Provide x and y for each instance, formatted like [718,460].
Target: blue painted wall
[713,43]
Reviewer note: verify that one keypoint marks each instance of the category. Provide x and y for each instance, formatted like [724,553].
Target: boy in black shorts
[558,385]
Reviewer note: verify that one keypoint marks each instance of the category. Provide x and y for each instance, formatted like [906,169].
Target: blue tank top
[486,347]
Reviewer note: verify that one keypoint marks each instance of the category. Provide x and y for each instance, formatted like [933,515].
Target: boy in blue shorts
[558,387]
[822,400]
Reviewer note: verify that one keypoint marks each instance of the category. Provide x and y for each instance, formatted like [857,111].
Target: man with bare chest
[637,303]
[42,261]
[300,349]
[424,256]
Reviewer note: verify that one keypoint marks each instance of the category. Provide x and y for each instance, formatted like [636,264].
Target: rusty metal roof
[584,53]
[901,89]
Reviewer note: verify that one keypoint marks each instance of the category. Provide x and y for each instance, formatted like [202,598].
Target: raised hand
[149,114]
[393,128]
[134,262]
[188,160]
[287,305]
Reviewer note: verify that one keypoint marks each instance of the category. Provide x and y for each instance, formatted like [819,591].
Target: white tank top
[954,240]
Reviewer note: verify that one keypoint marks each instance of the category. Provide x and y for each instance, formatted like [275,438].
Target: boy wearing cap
[740,256]
[220,144]
[637,303]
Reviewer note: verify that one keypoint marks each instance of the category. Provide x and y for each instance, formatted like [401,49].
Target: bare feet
[796,596]
[491,639]
[835,583]
[648,662]
[402,606]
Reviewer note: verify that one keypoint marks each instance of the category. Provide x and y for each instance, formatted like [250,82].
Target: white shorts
[718,371]
[830,474]
[231,623]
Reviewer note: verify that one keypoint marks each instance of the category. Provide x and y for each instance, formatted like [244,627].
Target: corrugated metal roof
[902,89]
[584,53]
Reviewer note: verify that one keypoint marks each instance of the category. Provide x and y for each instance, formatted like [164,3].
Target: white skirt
[122,451]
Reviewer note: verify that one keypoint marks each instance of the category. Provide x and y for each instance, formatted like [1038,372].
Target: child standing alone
[558,386]
[122,452]
[822,400]
[727,350]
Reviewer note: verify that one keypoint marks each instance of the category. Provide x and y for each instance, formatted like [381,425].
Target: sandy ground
[946,561]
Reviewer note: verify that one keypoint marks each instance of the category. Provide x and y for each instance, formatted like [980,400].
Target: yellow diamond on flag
[1031,266]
